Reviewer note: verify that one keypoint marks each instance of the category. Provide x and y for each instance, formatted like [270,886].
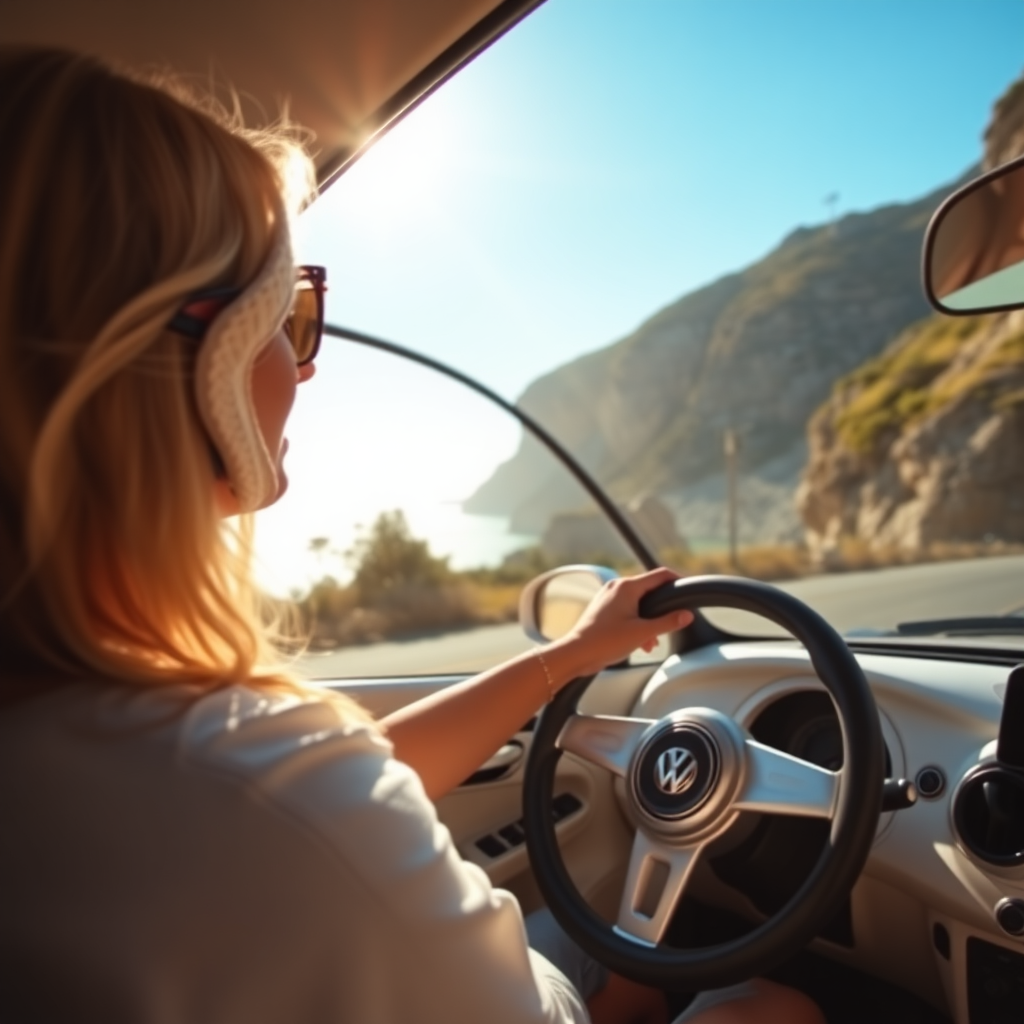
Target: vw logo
[675,771]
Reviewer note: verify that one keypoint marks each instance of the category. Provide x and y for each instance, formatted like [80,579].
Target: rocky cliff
[925,444]
[757,351]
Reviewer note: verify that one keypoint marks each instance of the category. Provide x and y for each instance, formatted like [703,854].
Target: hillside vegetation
[911,380]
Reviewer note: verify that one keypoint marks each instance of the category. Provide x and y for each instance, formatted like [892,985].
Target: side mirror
[552,604]
[974,246]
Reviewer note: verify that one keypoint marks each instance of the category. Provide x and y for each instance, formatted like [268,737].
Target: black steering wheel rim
[853,825]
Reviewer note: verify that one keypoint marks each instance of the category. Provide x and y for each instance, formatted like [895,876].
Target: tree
[387,557]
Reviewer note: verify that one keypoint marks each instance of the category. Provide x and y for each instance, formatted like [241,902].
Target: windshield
[686,238]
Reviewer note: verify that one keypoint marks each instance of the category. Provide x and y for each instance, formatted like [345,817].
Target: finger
[655,577]
[672,621]
[651,580]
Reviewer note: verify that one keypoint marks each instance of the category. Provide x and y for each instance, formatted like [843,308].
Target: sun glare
[405,175]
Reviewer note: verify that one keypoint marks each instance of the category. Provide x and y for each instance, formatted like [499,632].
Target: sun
[406,175]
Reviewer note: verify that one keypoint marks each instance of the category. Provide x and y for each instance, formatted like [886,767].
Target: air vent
[989,814]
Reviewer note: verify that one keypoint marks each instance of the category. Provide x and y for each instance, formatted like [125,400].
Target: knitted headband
[224,377]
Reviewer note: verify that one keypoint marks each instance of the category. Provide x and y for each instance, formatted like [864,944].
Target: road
[850,601]
[881,598]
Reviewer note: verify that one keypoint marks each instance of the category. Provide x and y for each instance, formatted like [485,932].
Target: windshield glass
[686,238]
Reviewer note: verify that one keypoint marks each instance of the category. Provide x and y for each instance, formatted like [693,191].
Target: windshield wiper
[979,625]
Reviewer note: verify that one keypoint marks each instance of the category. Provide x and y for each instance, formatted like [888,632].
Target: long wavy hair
[118,198]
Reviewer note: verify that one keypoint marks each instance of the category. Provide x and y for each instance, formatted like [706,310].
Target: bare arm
[445,737]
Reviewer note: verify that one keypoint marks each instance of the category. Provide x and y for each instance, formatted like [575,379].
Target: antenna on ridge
[832,201]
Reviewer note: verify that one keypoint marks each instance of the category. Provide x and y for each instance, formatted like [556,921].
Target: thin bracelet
[547,675]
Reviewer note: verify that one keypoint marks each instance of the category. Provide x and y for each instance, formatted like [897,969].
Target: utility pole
[731,445]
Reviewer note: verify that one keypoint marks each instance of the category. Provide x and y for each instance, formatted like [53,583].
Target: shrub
[388,558]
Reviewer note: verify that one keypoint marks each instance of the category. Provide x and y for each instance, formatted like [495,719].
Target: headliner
[346,70]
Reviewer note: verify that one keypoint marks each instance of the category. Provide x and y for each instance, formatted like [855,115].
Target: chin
[282,486]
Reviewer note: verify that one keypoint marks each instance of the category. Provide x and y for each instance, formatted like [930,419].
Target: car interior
[845,814]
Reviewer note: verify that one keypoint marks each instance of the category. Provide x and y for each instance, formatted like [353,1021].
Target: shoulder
[315,770]
[244,730]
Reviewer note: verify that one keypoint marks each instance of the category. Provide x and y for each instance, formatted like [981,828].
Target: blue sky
[597,163]
[604,158]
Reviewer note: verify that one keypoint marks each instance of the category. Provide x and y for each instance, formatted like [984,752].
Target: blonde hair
[118,200]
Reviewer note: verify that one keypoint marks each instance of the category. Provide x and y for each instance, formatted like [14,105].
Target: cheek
[274,380]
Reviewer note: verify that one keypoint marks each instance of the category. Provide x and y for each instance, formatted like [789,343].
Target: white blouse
[240,858]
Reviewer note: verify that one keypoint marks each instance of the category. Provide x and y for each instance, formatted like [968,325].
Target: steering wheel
[688,776]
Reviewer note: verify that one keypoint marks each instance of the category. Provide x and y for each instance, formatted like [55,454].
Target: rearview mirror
[974,246]
[552,604]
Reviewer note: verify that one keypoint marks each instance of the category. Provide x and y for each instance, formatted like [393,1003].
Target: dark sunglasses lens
[303,326]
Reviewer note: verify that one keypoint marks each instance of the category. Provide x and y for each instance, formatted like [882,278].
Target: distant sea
[469,541]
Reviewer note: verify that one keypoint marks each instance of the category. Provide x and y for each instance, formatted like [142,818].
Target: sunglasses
[304,325]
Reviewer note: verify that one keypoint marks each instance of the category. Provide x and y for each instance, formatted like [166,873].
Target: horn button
[685,771]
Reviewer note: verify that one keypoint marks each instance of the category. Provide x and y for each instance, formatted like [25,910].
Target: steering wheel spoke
[604,740]
[777,783]
[657,876]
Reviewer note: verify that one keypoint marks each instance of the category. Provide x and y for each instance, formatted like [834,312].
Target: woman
[188,833]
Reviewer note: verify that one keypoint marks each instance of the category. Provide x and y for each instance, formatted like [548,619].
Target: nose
[305,371]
